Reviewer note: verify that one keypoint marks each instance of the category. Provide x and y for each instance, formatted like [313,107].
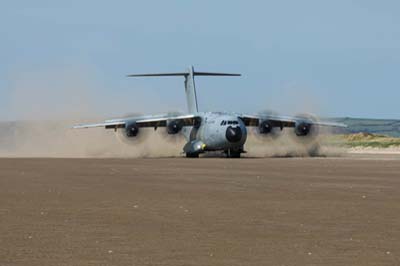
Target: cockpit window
[229,122]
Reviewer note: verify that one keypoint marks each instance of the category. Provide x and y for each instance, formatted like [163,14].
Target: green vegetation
[363,140]
[366,133]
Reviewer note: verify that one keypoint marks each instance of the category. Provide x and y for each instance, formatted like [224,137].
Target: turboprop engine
[174,126]
[305,126]
[130,134]
[265,127]
[131,130]
[302,129]
[266,130]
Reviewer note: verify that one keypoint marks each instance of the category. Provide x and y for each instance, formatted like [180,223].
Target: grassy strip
[362,140]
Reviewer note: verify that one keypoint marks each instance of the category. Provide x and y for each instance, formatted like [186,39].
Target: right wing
[285,121]
[143,121]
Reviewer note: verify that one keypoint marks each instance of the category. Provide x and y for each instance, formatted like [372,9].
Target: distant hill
[387,127]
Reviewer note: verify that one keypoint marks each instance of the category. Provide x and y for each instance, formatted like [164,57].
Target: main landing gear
[230,153]
[233,153]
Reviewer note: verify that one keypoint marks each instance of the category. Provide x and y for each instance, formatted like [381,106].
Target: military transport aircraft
[210,131]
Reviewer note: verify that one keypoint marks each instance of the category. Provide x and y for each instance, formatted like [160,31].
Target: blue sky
[334,58]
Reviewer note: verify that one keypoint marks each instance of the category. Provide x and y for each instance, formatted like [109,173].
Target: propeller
[305,127]
[173,130]
[306,134]
[132,134]
[265,129]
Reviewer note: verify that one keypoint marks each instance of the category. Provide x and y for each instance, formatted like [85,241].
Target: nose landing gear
[192,155]
[194,148]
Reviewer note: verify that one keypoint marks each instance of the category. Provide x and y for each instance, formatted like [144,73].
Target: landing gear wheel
[192,155]
[232,154]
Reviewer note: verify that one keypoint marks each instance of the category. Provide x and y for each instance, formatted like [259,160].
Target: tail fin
[190,87]
[190,91]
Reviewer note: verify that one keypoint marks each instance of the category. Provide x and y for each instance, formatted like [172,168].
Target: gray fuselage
[218,131]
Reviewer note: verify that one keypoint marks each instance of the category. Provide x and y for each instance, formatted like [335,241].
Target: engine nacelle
[302,128]
[131,130]
[174,126]
[265,127]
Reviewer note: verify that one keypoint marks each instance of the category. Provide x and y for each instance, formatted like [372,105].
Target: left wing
[143,121]
[285,121]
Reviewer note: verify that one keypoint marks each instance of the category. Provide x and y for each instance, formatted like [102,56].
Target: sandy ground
[277,211]
[364,150]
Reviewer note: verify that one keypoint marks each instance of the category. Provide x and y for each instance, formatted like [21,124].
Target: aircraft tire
[232,154]
[192,155]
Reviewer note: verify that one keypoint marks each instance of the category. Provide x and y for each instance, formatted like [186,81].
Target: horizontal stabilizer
[214,74]
[183,74]
[158,75]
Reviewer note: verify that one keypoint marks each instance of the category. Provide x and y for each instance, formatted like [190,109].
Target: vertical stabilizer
[190,91]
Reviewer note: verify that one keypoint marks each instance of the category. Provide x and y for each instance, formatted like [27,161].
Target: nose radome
[233,134]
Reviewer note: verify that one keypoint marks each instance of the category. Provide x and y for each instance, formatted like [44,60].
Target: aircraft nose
[233,134]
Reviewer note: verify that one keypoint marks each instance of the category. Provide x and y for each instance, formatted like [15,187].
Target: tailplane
[190,87]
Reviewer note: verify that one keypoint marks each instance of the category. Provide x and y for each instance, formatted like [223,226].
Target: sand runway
[210,211]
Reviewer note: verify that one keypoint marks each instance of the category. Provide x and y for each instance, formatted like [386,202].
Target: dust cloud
[45,104]
[287,144]
[56,139]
